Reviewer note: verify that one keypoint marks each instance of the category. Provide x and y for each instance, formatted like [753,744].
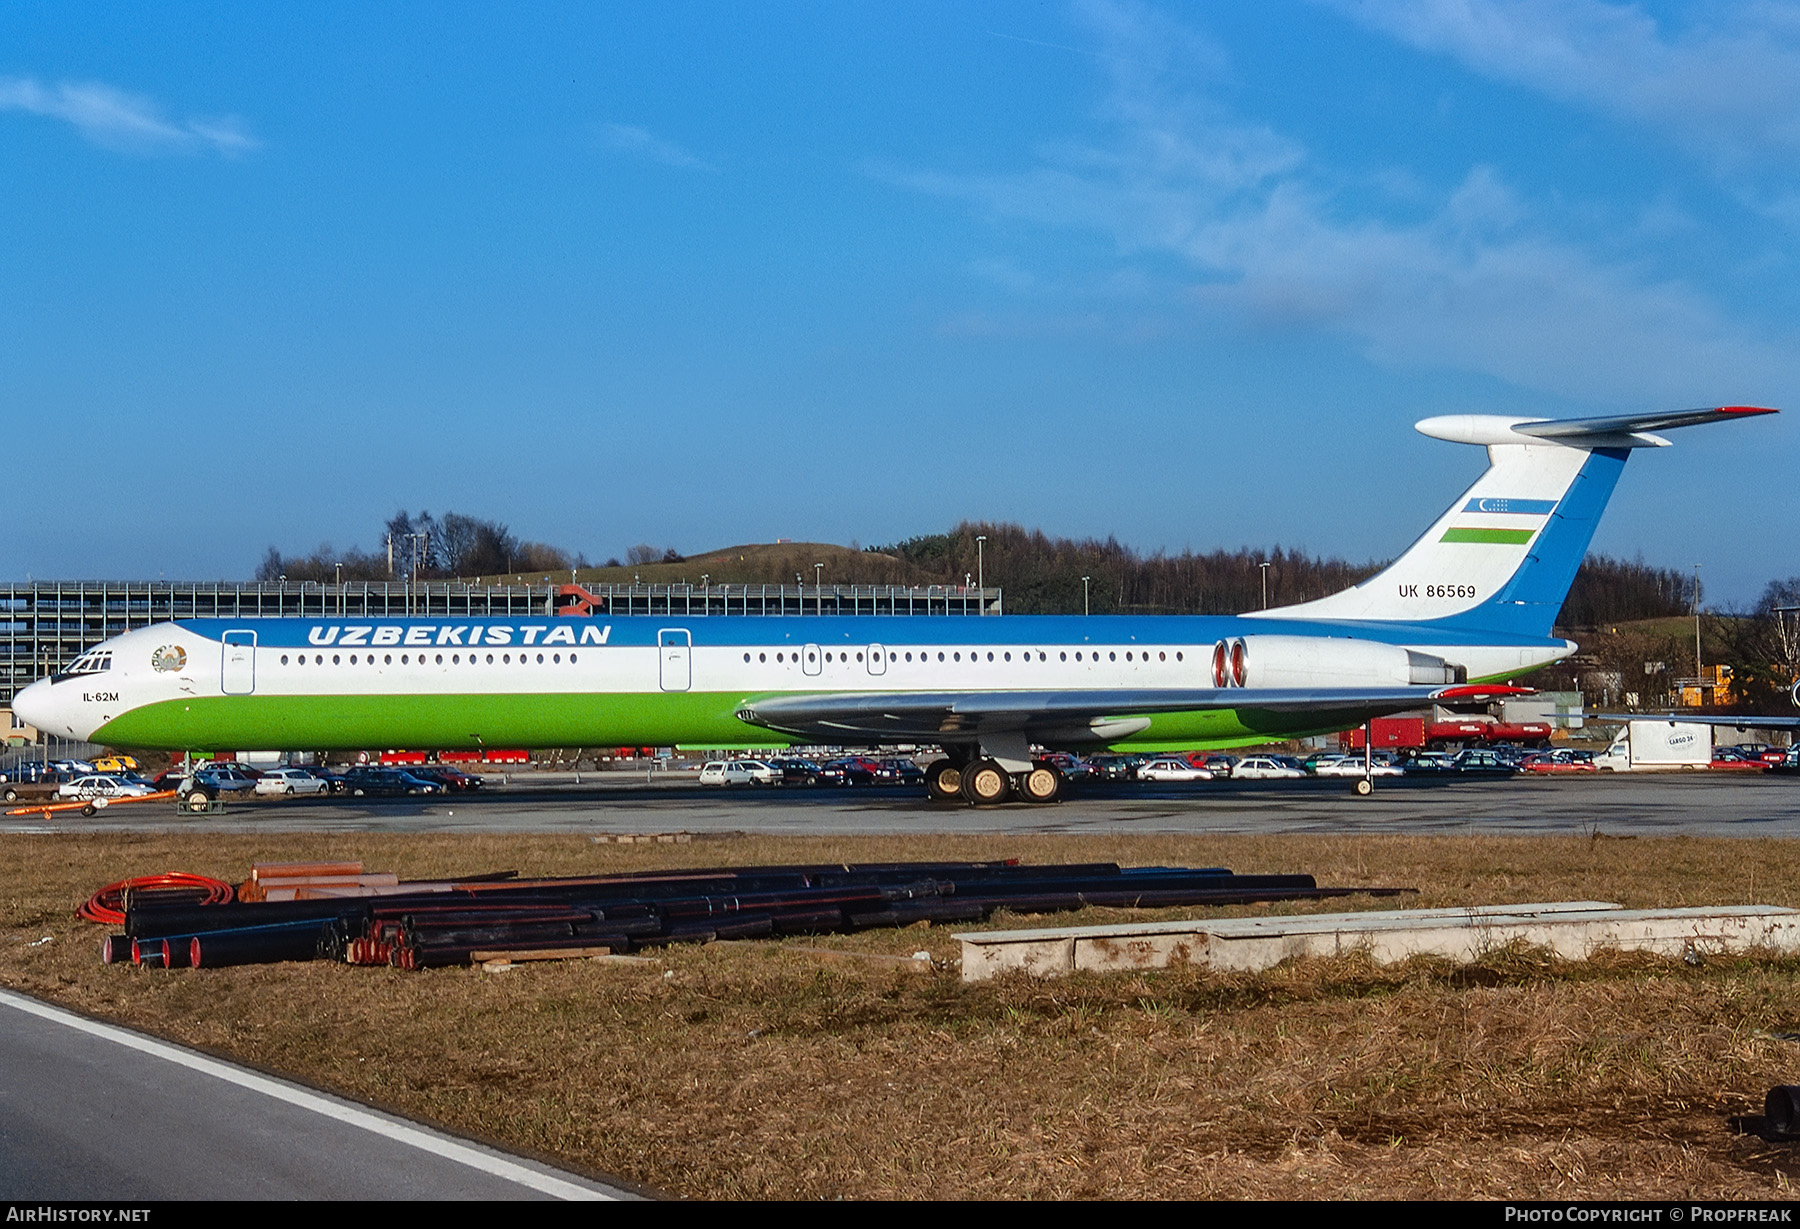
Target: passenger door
[237,675]
[674,651]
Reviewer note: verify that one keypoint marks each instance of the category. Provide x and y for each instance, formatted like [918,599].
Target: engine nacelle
[1326,661]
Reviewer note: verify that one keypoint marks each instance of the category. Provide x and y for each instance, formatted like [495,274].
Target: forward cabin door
[674,652]
[877,659]
[238,669]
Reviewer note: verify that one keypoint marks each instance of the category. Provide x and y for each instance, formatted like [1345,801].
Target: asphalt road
[89,1111]
[1694,803]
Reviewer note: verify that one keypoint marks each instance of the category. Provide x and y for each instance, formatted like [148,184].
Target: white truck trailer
[1658,744]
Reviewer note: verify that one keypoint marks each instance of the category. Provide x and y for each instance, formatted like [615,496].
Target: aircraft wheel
[1044,783]
[986,784]
[1363,787]
[944,781]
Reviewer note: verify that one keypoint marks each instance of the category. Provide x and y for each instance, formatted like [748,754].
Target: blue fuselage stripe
[772,631]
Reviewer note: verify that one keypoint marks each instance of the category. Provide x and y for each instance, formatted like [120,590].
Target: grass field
[754,1069]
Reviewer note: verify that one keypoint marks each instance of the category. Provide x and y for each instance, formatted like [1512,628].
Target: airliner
[1467,607]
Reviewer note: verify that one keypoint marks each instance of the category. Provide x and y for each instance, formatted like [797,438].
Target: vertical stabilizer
[1503,556]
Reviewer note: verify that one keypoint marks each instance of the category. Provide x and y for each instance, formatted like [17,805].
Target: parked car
[374,782]
[796,771]
[1482,761]
[1172,768]
[860,770]
[454,782]
[102,785]
[1353,766]
[1116,767]
[904,771]
[289,781]
[216,780]
[1265,768]
[1558,762]
[1075,770]
[334,781]
[19,783]
[737,772]
[1426,762]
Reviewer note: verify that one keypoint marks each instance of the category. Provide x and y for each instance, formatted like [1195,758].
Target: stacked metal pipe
[454,922]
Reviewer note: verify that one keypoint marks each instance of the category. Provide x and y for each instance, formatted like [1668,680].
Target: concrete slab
[1571,930]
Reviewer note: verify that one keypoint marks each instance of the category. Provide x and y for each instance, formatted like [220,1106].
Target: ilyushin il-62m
[1467,606]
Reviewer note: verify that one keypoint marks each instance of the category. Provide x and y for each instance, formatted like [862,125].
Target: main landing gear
[986,782]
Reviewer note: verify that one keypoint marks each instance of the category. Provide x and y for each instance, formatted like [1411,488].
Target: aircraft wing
[1099,715]
[1736,721]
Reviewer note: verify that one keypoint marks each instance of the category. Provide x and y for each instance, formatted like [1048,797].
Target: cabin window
[284,659]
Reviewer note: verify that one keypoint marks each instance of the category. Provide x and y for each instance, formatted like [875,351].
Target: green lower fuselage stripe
[658,719]
[1506,537]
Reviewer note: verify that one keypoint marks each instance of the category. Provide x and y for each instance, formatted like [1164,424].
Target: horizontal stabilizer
[1616,430]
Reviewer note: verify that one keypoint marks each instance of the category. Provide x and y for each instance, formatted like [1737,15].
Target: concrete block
[1571,930]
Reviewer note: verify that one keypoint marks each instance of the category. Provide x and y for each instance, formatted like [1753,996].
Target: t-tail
[1503,556]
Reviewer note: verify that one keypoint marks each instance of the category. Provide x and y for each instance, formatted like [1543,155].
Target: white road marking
[380,1124]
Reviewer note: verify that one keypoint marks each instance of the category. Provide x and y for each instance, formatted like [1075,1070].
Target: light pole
[1698,684]
[1085,607]
[819,586]
[980,575]
[1265,579]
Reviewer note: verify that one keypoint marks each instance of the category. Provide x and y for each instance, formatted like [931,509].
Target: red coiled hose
[107,906]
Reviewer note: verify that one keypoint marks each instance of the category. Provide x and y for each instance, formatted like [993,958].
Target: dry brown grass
[754,1070]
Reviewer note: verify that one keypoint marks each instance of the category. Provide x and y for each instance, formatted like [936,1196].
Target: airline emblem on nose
[169,657]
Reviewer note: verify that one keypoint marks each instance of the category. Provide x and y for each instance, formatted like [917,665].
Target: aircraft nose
[33,706]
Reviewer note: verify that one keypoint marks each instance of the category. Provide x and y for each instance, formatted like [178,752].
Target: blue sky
[711,273]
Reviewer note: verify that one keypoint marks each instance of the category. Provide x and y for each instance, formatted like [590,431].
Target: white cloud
[640,143]
[1726,84]
[1474,281]
[130,123]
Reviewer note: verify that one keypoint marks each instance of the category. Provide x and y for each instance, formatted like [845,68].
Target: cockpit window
[91,662]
